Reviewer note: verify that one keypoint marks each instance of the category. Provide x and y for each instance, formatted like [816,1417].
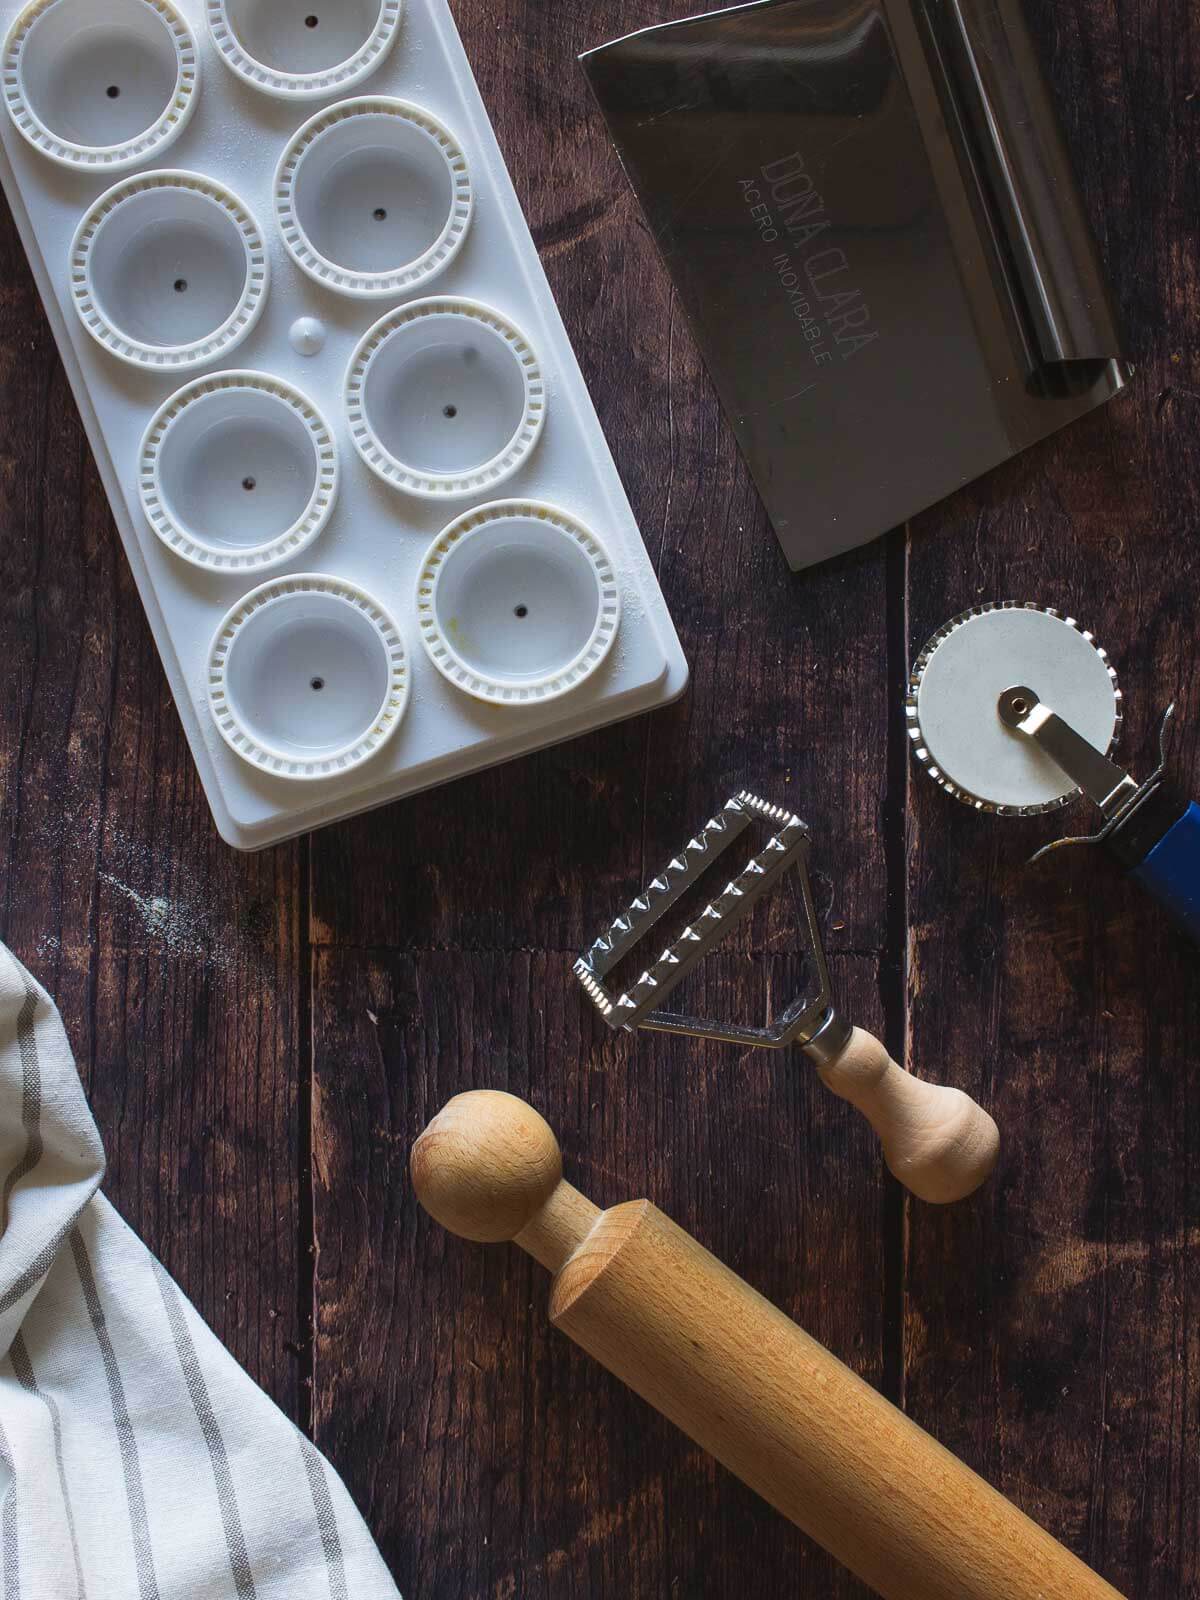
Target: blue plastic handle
[1171,871]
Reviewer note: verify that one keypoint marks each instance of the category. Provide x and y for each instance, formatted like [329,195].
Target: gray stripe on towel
[36,1270]
[135,1492]
[31,1116]
[314,1466]
[23,1370]
[31,1100]
[231,1521]
[10,1553]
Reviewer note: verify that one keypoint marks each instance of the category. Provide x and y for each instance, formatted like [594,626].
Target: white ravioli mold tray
[376,528]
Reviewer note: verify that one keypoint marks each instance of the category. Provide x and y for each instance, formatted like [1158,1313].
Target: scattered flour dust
[193,920]
[174,923]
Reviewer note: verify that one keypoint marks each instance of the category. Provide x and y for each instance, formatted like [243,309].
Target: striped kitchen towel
[137,1460]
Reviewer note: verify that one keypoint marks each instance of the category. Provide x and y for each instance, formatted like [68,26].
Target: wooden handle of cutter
[935,1140]
[737,1375]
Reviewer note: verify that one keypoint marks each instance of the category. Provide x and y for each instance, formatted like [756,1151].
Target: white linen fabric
[137,1460]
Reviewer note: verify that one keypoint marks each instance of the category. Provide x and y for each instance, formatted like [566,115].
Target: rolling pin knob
[486,1165]
[488,1168]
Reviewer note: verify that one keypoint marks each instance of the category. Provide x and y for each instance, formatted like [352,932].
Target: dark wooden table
[262,1037]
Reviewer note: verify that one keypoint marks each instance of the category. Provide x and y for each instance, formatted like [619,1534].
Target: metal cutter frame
[812,1023]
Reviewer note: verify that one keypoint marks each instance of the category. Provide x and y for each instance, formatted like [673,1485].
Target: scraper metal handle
[936,1140]
[737,1375]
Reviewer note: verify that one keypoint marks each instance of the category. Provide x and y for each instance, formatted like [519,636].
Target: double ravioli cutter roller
[936,1140]
[1015,709]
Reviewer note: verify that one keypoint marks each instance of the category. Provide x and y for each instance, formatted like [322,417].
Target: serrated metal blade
[954,687]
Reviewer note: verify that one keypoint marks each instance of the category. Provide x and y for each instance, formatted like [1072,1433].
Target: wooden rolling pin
[738,1376]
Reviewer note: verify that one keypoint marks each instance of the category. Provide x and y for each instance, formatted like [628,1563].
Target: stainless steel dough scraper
[869,216]
[1014,709]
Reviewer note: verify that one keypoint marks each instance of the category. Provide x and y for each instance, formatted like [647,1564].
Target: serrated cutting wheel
[1015,709]
[953,712]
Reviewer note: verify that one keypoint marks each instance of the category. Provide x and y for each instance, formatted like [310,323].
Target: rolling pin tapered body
[738,1376]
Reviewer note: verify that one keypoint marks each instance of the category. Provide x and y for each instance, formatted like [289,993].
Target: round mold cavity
[238,471]
[307,677]
[303,49]
[100,84]
[517,603]
[444,397]
[373,197]
[169,270]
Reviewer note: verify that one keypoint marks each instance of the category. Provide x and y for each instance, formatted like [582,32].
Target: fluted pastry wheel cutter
[935,1139]
[1014,709]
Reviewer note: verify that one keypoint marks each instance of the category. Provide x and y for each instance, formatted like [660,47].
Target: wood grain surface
[262,1037]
